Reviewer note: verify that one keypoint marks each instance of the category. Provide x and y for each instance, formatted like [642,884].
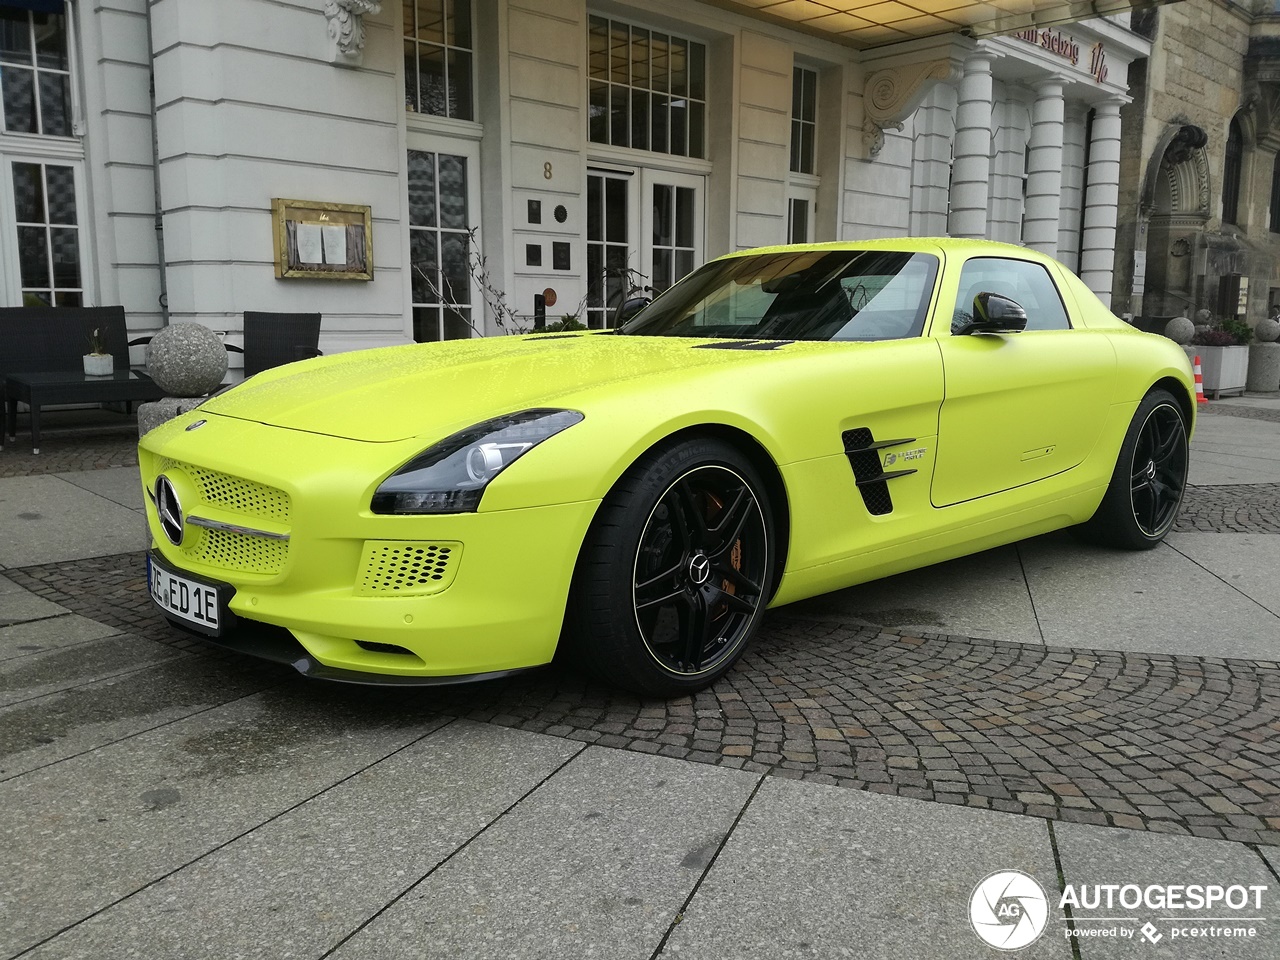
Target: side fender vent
[873,483]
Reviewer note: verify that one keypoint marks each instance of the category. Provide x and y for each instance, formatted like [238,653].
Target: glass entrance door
[631,255]
[672,229]
[609,245]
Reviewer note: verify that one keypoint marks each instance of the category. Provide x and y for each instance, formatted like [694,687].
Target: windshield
[797,295]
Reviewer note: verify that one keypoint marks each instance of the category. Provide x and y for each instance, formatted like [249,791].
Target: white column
[1098,243]
[1044,169]
[971,168]
[1072,186]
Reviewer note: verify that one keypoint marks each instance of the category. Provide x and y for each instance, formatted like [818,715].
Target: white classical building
[519,156]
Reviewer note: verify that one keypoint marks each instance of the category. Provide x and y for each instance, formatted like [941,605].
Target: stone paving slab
[41,674]
[299,884]
[122,485]
[48,729]
[596,863]
[1091,856]
[38,636]
[79,835]
[816,872]
[1248,562]
[1235,449]
[984,595]
[1155,601]
[18,604]
[1272,856]
[47,519]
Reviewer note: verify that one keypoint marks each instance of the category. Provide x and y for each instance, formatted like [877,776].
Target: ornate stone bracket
[346,29]
[901,82]
[873,136]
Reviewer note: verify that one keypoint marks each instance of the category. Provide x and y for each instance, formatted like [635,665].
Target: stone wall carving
[346,28]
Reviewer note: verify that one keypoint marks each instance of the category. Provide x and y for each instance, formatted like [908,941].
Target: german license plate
[183,598]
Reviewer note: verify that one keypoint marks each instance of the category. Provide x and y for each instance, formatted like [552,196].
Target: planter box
[1225,369]
[99,364]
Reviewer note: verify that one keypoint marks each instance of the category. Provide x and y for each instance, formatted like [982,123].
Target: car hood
[395,393]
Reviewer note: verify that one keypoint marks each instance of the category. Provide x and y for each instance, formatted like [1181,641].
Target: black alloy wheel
[676,571]
[700,571]
[1142,500]
[1159,471]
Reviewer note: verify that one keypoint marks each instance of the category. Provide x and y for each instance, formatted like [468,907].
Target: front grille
[235,551]
[234,493]
[399,568]
[247,500]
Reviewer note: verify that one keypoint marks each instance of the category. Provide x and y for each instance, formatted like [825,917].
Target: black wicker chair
[273,339]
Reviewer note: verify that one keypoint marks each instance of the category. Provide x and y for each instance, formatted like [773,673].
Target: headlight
[451,476]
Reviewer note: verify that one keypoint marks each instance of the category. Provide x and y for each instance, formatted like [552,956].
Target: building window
[1231,174]
[437,58]
[646,89]
[35,74]
[1275,195]
[804,118]
[44,198]
[439,246]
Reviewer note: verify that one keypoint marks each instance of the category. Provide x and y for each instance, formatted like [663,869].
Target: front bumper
[361,596]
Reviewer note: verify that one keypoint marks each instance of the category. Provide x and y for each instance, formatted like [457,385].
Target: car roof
[910,245]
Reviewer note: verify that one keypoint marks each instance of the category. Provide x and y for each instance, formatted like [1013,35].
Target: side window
[1020,280]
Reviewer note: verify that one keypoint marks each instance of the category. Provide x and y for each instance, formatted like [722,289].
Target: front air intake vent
[399,568]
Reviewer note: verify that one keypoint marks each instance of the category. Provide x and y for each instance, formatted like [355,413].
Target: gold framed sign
[322,241]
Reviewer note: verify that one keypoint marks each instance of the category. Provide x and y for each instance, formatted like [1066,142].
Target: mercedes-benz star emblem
[700,569]
[1151,470]
[169,509]
[196,426]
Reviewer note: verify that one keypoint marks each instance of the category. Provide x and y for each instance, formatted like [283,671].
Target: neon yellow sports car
[780,423]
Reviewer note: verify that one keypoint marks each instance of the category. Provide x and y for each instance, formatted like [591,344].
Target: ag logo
[1008,910]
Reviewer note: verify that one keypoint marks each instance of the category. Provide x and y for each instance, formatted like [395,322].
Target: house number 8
[546,170]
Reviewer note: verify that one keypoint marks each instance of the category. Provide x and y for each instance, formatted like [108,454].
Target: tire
[675,573]
[1142,500]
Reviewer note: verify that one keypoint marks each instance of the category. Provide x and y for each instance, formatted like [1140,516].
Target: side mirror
[629,309]
[993,313]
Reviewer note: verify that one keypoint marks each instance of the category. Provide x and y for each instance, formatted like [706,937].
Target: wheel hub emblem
[169,510]
[1151,470]
[700,569]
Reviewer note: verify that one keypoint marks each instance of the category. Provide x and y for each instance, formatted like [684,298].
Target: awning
[866,24]
[39,6]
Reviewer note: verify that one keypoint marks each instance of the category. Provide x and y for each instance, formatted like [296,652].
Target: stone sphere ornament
[186,359]
[1180,330]
[1267,331]
[1203,317]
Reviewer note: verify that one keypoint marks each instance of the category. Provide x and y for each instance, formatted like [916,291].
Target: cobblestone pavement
[1163,743]
[1222,408]
[1240,508]
[83,446]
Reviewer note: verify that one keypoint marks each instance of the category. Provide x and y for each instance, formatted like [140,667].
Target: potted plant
[97,362]
[567,322]
[1224,356]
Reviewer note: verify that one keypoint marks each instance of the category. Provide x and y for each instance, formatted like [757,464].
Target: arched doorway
[1177,199]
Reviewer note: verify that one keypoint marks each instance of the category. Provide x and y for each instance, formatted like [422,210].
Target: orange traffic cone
[1200,397]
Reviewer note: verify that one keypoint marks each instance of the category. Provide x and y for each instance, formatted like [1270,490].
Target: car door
[1019,407]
